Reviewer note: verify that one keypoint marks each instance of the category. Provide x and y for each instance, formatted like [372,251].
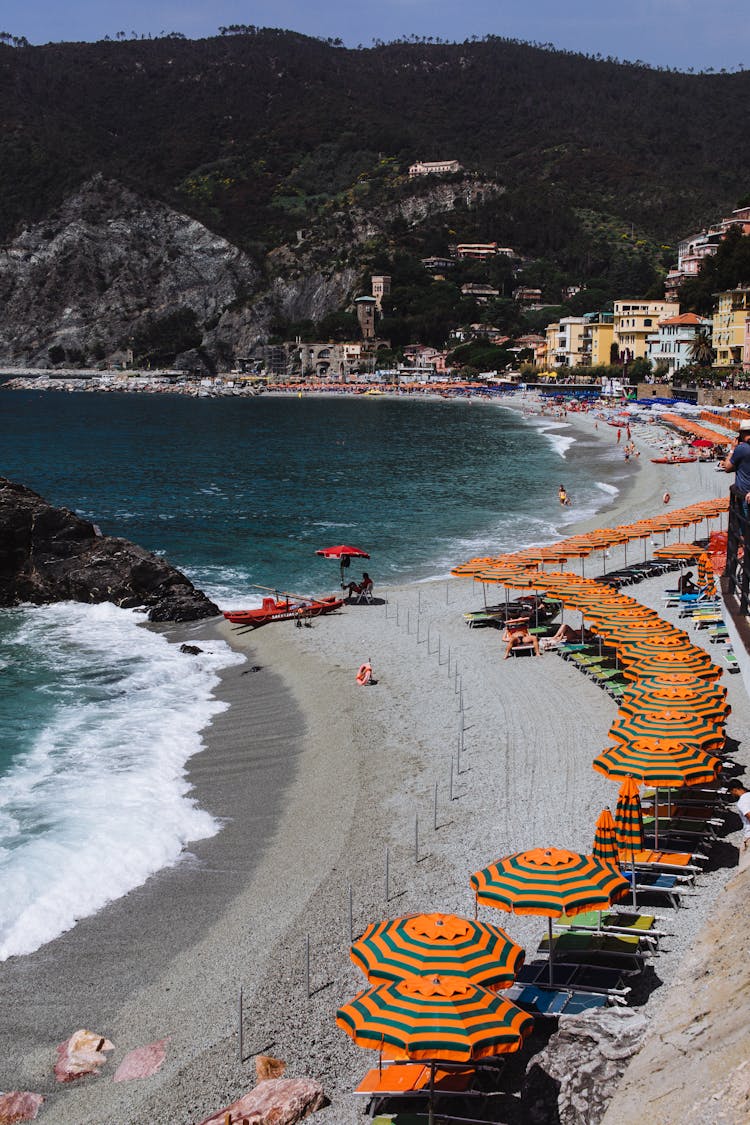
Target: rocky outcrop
[50,554]
[572,1079]
[276,1101]
[693,1067]
[88,277]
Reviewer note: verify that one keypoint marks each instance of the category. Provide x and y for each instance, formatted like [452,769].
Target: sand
[314,777]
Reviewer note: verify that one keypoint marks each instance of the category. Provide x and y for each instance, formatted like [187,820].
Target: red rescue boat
[287,607]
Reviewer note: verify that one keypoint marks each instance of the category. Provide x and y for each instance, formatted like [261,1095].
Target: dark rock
[191,650]
[50,555]
[573,1078]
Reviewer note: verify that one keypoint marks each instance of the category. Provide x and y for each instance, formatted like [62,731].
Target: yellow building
[730,315]
[551,332]
[599,337]
[634,320]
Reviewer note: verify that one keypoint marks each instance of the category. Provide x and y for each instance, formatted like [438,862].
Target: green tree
[701,352]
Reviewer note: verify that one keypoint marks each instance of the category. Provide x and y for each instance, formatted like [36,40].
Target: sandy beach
[314,778]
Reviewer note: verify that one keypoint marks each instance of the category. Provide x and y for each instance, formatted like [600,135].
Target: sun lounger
[614,921]
[656,883]
[688,828]
[405,1079]
[550,1003]
[687,864]
[575,978]
[623,952]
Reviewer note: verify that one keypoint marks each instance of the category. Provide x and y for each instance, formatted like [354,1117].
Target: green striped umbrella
[706,704]
[650,763]
[550,882]
[629,818]
[669,727]
[658,647]
[442,944]
[605,844]
[445,1019]
[677,679]
[696,663]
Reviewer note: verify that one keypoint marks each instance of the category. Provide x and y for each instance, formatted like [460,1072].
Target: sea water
[100,716]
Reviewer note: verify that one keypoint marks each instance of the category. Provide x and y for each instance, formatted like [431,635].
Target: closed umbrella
[442,944]
[550,882]
[605,843]
[629,835]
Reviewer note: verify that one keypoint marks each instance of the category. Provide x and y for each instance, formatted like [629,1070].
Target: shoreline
[336,775]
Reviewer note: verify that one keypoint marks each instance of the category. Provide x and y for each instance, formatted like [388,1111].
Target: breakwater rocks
[50,554]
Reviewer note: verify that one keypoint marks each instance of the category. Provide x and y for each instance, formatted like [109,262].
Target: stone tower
[381,287]
[366,316]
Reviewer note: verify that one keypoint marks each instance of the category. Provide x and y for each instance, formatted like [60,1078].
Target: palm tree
[701,352]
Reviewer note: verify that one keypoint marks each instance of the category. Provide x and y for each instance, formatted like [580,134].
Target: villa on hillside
[692,251]
[433,168]
[634,320]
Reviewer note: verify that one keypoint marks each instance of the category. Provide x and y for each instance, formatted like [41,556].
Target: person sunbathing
[566,636]
[517,634]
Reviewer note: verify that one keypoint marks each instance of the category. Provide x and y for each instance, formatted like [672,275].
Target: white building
[433,168]
[671,345]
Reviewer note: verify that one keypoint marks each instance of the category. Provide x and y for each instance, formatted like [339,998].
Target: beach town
[440,785]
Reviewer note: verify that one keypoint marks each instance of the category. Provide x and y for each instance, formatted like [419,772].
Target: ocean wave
[610,489]
[99,800]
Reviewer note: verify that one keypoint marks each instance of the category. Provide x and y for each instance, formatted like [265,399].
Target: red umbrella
[702,443]
[339,552]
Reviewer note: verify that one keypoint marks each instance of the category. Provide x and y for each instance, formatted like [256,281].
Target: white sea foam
[610,489]
[561,443]
[100,801]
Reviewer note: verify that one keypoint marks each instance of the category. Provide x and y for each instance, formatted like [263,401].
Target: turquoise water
[236,491]
[99,716]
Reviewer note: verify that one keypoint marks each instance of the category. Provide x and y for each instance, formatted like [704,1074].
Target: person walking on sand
[619,435]
[742,796]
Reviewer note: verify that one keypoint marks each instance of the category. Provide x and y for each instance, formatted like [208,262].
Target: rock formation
[84,1053]
[102,267]
[573,1078]
[50,554]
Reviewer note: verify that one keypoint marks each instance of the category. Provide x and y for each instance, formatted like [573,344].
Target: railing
[737,574]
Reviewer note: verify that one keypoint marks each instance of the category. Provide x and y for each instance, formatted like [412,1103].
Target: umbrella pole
[632,868]
[431,1117]
[656,818]
[551,957]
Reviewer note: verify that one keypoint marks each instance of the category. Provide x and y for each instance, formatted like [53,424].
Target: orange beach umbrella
[442,944]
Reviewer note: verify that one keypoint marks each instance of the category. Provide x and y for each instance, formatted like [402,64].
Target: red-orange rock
[19,1105]
[266,1066]
[277,1101]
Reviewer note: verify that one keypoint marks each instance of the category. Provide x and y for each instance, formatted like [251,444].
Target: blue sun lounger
[550,1003]
[651,882]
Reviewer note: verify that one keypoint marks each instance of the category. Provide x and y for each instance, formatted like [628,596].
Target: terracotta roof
[684,318]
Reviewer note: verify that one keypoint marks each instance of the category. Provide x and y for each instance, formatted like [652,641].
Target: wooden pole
[416,838]
[240,1037]
[450,788]
[434,822]
[307,964]
[387,876]
[351,915]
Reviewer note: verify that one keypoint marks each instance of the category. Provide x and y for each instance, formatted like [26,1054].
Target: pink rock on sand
[277,1101]
[19,1105]
[83,1053]
[142,1062]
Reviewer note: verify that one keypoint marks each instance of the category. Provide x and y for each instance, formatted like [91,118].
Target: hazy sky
[681,33]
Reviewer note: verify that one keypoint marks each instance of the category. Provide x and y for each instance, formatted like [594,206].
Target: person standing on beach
[738,462]
[619,435]
[743,808]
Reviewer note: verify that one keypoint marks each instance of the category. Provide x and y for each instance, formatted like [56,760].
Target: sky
[675,33]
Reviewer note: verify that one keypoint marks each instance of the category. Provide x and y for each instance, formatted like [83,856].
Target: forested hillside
[291,155]
[251,133]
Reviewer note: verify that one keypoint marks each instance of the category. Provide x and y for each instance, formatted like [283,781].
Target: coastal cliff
[50,554]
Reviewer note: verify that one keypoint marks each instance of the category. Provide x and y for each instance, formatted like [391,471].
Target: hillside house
[729,326]
[433,168]
[635,319]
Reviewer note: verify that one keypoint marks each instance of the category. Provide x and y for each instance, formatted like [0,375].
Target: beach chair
[365,595]
[623,952]
[574,978]
[549,1003]
[614,922]
[655,883]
